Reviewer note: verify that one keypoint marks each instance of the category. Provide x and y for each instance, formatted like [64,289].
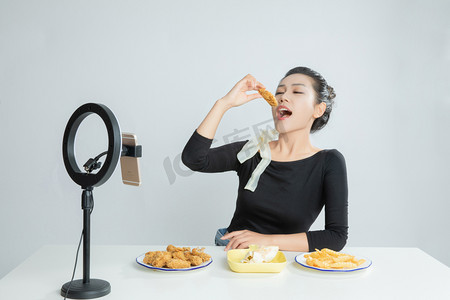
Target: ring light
[88,288]
[114,145]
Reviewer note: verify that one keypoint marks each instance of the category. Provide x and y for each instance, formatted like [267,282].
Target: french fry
[329,259]
[343,258]
[343,265]
[331,252]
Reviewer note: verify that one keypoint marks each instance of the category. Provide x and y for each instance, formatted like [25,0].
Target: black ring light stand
[88,288]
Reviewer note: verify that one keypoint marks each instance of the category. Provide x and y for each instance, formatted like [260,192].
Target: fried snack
[179,255]
[176,263]
[195,260]
[199,252]
[176,257]
[172,248]
[329,259]
[268,97]
[315,262]
[161,258]
[331,252]
[149,257]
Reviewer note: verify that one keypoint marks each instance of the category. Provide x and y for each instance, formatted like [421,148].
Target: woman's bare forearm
[212,120]
[235,97]
[242,239]
[291,242]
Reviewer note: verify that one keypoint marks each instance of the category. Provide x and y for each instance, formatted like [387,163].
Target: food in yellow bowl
[260,254]
[243,260]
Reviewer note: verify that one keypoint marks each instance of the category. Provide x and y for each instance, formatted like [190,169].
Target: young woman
[279,200]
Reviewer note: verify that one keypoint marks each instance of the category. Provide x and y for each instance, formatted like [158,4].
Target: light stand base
[79,290]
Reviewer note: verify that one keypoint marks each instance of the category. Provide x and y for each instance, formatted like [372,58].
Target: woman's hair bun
[331,93]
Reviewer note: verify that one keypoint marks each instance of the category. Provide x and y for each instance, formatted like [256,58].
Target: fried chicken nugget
[179,255]
[172,248]
[199,252]
[268,97]
[205,257]
[149,257]
[195,260]
[161,259]
[176,263]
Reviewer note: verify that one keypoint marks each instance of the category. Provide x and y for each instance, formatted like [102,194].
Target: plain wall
[161,65]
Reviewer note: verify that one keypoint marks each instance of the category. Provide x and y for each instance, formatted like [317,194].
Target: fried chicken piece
[149,257]
[199,252]
[172,248]
[179,255]
[268,97]
[176,263]
[205,257]
[195,260]
[161,258]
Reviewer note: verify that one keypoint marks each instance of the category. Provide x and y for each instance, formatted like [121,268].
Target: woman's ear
[319,109]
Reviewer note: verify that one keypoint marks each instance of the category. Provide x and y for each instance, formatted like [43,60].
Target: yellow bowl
[235,256]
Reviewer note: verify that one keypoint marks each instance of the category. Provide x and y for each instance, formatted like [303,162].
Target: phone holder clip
[131,151]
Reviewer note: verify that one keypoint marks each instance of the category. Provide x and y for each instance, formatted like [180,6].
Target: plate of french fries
[332,261]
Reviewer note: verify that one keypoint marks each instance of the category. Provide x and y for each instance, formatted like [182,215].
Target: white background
[159,66]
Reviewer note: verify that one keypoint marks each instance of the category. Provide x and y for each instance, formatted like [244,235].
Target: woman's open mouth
[283,112]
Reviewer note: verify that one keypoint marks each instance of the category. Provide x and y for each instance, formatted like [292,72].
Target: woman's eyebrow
[282,85]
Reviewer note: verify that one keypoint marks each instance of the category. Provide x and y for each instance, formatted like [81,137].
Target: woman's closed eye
[279,93]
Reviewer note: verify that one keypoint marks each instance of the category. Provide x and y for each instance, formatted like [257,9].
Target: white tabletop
[396,273]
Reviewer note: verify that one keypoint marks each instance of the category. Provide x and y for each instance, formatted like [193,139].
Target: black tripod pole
[87,204]
[86,288]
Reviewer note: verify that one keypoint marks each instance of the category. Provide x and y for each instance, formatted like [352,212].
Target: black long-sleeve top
[289,195]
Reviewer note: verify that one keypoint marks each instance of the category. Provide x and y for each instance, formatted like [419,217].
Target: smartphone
[130,165]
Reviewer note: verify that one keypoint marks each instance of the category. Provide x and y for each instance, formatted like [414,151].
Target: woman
[299,178]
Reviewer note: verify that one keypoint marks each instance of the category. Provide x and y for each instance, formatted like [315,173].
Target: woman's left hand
[241,239]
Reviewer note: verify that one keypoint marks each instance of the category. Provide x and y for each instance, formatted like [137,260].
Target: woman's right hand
[238,96]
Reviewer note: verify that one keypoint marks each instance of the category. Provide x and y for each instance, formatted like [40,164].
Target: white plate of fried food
[331,261]
[175,259]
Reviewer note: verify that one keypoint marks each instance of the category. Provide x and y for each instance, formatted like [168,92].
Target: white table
[396,273]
